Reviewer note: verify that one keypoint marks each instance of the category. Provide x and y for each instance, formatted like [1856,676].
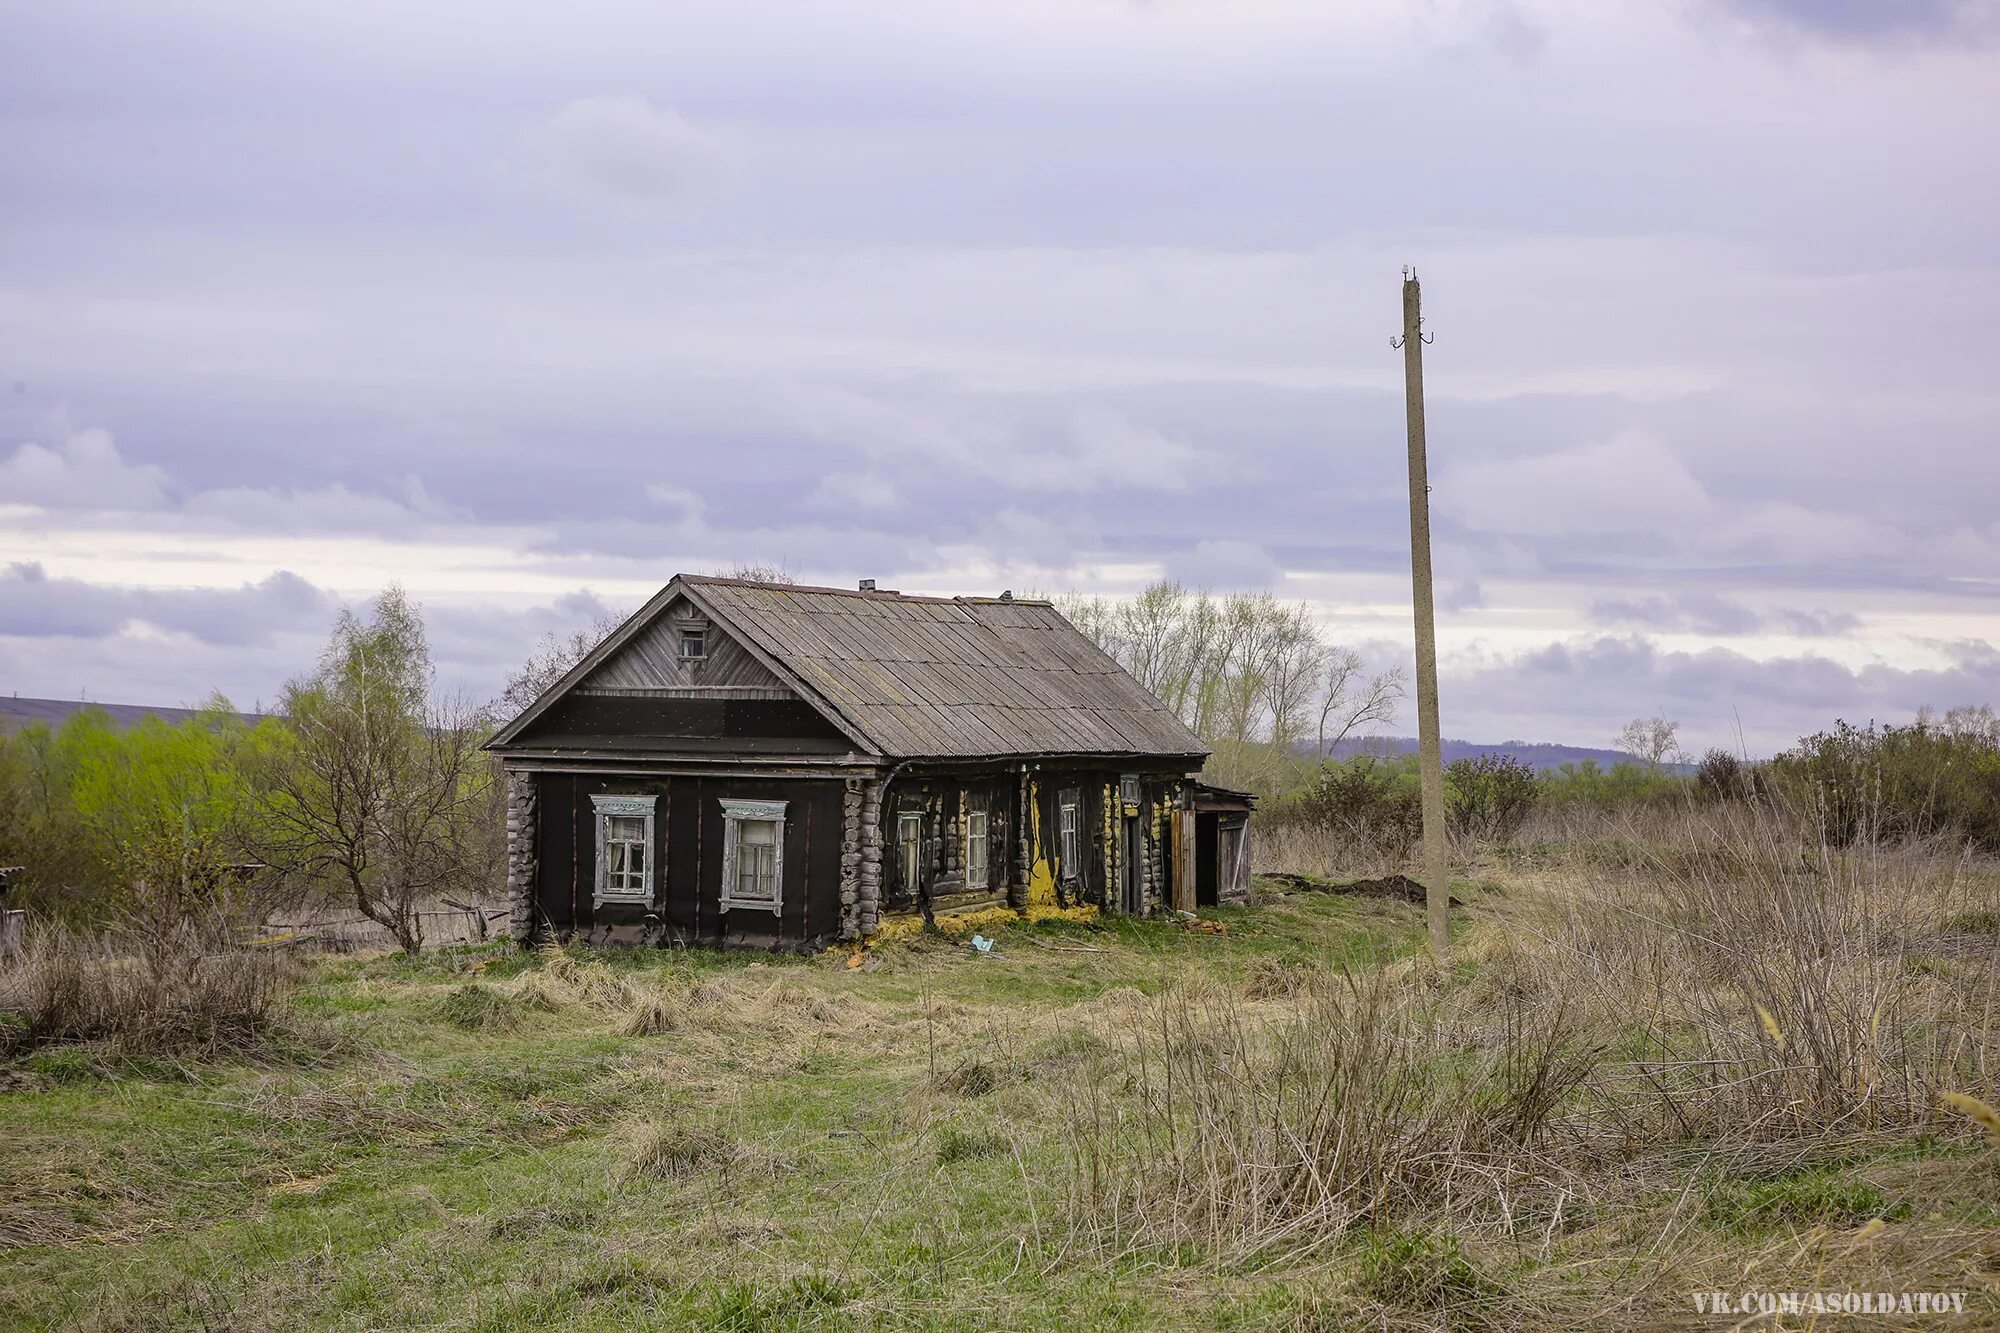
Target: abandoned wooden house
[779,766]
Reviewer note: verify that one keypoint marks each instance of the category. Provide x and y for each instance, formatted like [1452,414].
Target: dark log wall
[689,830]
[944,803]
[687,845]
[1018,838]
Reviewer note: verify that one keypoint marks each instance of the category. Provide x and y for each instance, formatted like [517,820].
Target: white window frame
[1067,842]
[977,841]
[734,815]
[605,807]
[910,882]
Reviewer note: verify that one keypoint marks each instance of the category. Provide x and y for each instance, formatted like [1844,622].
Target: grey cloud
[1225,565]
[1876,20]
[1596,685]
[36,606]
[332,508]
[1711,613]
[1462,595]
[1703,613]
[932,305]
[85,471]
[1814,624]
[627,148]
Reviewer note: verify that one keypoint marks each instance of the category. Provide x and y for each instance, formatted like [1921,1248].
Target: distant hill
[1537,755]
[17,713]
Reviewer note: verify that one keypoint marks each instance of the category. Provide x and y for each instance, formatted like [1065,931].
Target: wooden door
[1131,867]
[1184,861]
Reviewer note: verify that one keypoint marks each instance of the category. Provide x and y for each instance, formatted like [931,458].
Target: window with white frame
[910,850]
[1066,836]
[624,848]
[975,849]
[753,854]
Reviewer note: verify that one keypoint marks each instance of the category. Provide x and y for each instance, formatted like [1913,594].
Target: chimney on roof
[868,585]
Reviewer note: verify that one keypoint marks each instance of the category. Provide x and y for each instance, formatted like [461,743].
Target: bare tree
[1152,636]
[381,795]
[1975,720]
[1653,741]
[550,662]
[1349,698]
[761,571]
[1293,656]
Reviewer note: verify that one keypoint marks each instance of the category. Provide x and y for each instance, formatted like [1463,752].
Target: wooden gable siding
[653,722]
[652,661]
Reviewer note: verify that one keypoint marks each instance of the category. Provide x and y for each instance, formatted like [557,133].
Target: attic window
[694,643]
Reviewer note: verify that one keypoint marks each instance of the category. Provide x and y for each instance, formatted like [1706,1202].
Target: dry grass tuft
[1273,978]
[478,1007]
[655,1014]
[670,1150]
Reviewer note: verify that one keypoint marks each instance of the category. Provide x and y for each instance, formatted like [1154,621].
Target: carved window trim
[977,825]
[1069,859]
[607,807]
[910,850]
[736,814]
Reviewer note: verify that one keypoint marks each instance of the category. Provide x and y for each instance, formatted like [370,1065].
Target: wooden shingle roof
[919,677]
[959,677]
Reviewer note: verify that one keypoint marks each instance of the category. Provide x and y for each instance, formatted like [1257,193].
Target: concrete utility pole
[1430,762]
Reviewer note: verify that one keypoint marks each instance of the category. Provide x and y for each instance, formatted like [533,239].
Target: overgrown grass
[1295,1122]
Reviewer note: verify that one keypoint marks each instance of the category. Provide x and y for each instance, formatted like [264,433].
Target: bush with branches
[1487,797]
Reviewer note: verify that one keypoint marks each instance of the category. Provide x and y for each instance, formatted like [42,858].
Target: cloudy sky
[531,306]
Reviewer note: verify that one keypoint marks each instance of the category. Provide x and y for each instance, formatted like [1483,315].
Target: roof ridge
[875,595]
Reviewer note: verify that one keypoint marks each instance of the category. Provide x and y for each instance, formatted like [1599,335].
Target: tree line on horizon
[368,785]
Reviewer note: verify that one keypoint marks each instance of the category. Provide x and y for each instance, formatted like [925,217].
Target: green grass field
[473,1140]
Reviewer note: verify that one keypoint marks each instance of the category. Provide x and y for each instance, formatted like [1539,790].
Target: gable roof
[924,677]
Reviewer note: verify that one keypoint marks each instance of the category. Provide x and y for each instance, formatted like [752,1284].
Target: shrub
[1895,782]
[1367,802]
[1721,776]
[169,1001]
[1489,796]
[1624,785]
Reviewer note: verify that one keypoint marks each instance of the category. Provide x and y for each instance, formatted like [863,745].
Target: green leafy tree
[173,811]
[383,794]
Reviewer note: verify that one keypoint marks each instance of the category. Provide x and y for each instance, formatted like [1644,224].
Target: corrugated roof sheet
[928,677]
